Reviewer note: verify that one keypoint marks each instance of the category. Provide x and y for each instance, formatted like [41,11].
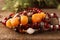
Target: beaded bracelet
[32,20]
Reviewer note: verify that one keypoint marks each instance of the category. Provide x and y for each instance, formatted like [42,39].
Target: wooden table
[6,33]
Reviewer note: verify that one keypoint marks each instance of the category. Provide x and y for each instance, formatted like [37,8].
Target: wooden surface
[6,33]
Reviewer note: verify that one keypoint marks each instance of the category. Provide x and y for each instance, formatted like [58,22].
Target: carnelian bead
[24,19]
[15,21]
[43,14]
[36,18]
[8,23]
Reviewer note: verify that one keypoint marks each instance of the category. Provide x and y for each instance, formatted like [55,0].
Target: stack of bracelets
[31,20]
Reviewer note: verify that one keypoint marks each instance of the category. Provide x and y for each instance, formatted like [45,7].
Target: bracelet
[32,20]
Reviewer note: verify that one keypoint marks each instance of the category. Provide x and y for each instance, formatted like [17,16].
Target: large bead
[15,21]
[30,31]
[24,19]
[36,18]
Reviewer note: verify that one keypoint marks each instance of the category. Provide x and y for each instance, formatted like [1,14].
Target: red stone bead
[35,26]
[4,21]
[59,27]
[11,14]
[24,12]
[48,15]
[55,15]
[46,26]
[54,28]
[38,11]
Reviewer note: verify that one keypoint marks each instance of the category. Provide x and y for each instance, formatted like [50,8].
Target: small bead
[51,26]
[30,13]
[46,17]
[57,26]
[52,14]
[42,23]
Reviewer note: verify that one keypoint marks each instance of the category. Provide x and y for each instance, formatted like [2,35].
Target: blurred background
[14,5]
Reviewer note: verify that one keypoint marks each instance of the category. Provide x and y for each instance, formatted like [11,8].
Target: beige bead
[30,31]
[51,26]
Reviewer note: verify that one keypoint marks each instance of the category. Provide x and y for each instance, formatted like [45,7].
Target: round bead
[51,26]
[8,23]
[36,18]
[43,14]
[42,23]
[52,14]
[24,19]
[15,21]
[57,26]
